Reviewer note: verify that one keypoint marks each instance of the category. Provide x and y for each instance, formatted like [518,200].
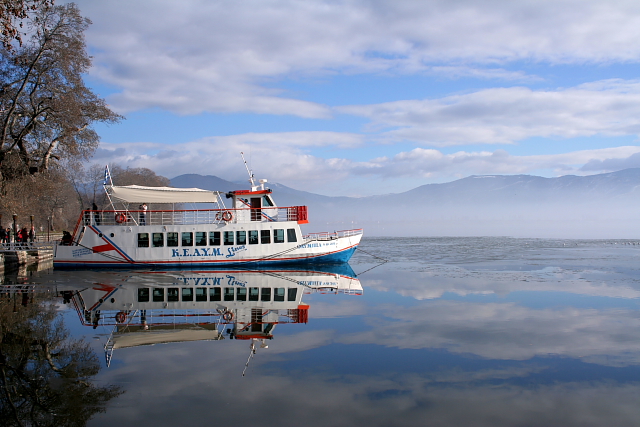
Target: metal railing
[333,235]
[193,217]
[26,246]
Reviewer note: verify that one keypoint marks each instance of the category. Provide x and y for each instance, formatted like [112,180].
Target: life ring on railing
[227,316]
[120,218]
[121,317]
[226,216]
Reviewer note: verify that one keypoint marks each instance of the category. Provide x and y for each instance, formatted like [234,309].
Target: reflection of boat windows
[266,294]
[214,238]
[143,240]
[291,235]
[173,294]
[265,236]
[253,294]
[143,294]
[201,238]
[278,294]
[201,294]
[172,239]
[229,294]
[253,237]
[228,237]
[215,294]
[242,294]
[291,294]
[187,294]
[278,236]
[157,240]
[158,294]
[241,237]
[187,239]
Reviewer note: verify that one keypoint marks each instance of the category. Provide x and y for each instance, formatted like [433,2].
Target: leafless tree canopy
[12,13]
[46,111]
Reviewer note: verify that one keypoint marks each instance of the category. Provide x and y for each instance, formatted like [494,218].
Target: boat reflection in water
[152,307]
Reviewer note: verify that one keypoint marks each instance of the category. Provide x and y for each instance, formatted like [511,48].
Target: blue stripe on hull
[332,258]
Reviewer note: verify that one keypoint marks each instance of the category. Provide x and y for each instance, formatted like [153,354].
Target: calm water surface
[448,332]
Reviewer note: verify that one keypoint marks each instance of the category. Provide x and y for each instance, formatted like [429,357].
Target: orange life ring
[120,218]
[227,216]
[121,317]
[227,316]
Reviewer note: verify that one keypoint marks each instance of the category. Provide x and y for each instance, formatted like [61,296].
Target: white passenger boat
[253,230]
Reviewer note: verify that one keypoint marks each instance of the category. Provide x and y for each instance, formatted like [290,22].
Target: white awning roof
[139,194]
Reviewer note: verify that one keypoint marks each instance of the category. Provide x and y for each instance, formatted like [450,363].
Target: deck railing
[192,217]
[333,235]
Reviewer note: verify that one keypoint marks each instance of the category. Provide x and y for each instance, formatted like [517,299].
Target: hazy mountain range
[595,206]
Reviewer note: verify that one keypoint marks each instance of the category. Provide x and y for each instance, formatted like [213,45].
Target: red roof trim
[243,192]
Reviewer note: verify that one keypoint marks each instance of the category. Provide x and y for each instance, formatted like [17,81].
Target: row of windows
[215,238]
[216,294]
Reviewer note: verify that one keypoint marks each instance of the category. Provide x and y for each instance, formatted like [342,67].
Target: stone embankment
[12,257]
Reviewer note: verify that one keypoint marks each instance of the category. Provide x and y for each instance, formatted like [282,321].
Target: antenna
[248,171]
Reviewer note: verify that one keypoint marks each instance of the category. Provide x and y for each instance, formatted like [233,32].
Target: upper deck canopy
[139,194]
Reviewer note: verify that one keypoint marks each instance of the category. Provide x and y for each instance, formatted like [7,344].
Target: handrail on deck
[326,235]
[190,216]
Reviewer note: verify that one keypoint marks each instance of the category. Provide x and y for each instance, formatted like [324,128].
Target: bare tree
[46,111]
[12,13]
[137,176]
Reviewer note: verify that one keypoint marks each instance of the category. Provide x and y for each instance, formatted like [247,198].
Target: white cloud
[508,115]
[282,157]
[194,56]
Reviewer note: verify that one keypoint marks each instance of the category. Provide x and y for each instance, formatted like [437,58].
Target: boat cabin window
[158,294]
[187,239]
[253,237]
[278,294]
[143,240]
[228,237]
[242,294]
[215,294]
[143,294]
[172,239]
[241,237]
[201,294]
[201,238]
[229,294]
[291,294]
[278,236]
[173,294]
[253,294]
[265,236]
[266,294]
[291,235]
[214,238]
[266,201]
[157,240]
[187,294]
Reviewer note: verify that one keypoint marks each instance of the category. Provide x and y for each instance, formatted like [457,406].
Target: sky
[358,98]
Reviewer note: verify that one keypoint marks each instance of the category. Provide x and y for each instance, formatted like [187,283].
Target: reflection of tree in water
[44,374]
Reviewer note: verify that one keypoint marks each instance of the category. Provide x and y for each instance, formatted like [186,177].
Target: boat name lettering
[196,252]
[81,252]
[232,281]
[317,245]
[202,281]
[318,283]
[232,251]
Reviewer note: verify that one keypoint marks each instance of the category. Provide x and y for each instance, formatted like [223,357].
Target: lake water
[446,332]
